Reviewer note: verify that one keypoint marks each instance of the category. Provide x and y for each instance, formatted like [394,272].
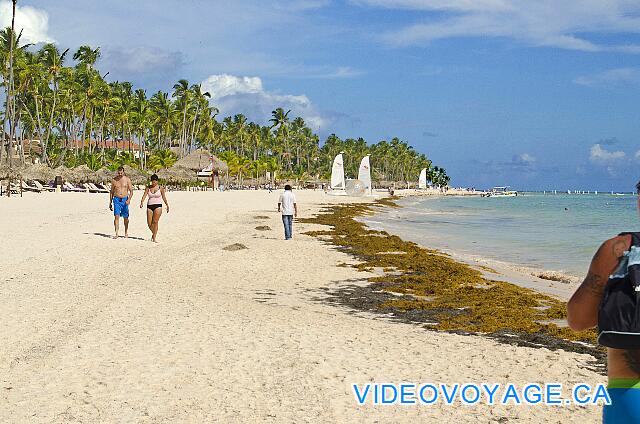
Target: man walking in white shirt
[287,204]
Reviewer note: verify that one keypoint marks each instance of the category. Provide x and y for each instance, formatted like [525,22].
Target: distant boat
[501,192]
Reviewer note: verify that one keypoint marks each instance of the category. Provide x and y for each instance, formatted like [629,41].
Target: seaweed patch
[431,288]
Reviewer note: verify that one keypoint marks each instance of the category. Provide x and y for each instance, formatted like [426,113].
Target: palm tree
[87,57]
[140,119]
[280,120]
[242,167]
[53,61]
[10,104]
[163,117]
[182,94]
[162,159]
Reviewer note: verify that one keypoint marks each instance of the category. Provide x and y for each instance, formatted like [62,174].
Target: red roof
[108,144]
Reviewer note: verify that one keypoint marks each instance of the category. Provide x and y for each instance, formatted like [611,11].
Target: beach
[103,330]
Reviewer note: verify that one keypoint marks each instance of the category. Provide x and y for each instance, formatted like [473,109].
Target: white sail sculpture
[422,181]
[337,177]
[364,175]
[337,173]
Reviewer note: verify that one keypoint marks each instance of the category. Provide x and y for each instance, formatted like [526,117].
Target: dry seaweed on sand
[432,288]
[235,246]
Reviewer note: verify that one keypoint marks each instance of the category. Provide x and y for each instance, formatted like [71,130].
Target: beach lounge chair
[70,187]
[15,189]
[39,185]
[27,187]
[88,188]
[4,189]
[81,188]
[97,189]
[103,187]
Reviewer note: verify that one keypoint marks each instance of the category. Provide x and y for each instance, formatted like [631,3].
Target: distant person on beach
[120,197]
[156,195]
[614,275]
[289,207]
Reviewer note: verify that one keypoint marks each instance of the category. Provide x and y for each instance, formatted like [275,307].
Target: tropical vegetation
[69,114]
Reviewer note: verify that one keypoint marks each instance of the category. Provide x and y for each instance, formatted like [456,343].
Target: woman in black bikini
[154,205]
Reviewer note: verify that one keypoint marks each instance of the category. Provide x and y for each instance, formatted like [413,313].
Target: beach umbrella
[81,174]
[7,173]
[38,171]
[63,172]
[178,174]
[196,160]
[104,175]
[202,159]
[136,175]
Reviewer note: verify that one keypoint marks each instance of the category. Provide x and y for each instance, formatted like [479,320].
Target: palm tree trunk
[22,160]
[44,158]
[10,107]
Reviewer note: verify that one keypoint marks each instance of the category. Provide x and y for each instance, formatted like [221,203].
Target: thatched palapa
[177,174]
[63,172]
[202,160]
[38,171]
[81,174]
[7,173]
[104,175]
[137,176]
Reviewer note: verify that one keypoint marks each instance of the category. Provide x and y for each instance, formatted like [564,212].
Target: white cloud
[611,77]
[302,5]
[637,155]
[246,95]
[33,22]
[340,72]
[539,23]
[220,86]
[525,158]
[600,155]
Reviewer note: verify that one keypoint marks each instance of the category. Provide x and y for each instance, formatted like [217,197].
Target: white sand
[102,330]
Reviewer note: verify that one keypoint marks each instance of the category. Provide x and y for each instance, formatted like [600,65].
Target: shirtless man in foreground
[120,197]
[623,365]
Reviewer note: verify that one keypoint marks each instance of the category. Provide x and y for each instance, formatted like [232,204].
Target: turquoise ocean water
[533,230]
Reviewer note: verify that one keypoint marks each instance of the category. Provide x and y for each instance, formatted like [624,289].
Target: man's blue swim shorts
[120,207]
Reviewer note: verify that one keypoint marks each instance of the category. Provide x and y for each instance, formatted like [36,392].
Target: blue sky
[536,95]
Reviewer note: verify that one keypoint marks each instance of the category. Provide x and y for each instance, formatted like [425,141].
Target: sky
[537,95]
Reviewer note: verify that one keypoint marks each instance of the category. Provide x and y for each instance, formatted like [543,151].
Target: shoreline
[560,284]
[553,283]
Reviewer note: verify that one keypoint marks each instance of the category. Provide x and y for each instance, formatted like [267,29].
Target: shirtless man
[623,365]
[121,195]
